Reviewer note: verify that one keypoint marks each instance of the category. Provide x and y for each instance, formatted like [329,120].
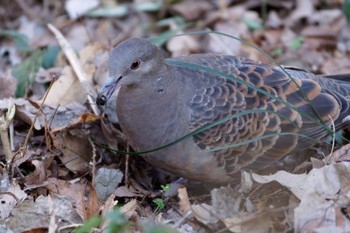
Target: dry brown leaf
[336,65]
[184,202]
[106,181]
[226,45]
[321,192]
[342,154]
[203,213]
[65,90]
[134,189]
[191,11]
[8,86]
[85,118]
[106,208]
[39,174]
[129,208]
[304,10]
[59,117]
[76,150]
[75,192]
[248,223]
[77,8]
[124,191]
[31,215]
[26,112]
[7,201]
[93,203]
[183,45]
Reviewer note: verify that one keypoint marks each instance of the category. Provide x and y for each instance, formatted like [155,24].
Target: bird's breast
[151,118]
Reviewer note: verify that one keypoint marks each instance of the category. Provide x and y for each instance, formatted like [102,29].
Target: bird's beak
[108,88]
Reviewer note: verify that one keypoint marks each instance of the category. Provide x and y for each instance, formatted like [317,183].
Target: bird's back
[266,113]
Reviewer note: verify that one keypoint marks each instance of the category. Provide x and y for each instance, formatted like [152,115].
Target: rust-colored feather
[219,97]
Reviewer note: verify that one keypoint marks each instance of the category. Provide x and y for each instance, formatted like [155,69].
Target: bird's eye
[135,65]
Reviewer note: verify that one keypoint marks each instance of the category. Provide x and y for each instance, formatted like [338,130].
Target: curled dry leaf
[129,208]
[76,151]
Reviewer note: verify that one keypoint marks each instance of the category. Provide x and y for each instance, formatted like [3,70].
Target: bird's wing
[259,137]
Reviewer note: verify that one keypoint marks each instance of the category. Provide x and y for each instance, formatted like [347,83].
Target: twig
[127,164]
[5,140]
[6,126]
[333,140]
[74,61]
[93,160]
[24,148]
[52,225]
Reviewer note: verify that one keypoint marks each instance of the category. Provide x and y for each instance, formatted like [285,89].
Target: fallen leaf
[65,90]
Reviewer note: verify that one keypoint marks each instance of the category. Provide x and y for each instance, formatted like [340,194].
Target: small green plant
[117,222]
[252,24]
[26,70]
[276,52]
[159,203]
[165,188]
[296,43]
[89,225]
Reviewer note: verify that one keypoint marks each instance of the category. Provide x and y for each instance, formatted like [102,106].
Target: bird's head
[131,63]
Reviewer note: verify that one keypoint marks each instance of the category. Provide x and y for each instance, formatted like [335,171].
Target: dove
[231,113]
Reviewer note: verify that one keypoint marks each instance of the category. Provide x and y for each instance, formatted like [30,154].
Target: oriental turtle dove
[260,113]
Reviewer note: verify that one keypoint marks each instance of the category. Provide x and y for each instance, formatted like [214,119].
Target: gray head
[129,64]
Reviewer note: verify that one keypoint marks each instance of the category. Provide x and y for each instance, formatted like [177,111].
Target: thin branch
[74,61]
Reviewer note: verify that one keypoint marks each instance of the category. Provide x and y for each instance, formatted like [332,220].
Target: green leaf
[252,24]
[296,43]
[160,229]
[276,52]
[21,40]
[89,225]
[346,10]
[165,188]
[159,202]
[123,10]
[117,222]
[25,71]
[50,56]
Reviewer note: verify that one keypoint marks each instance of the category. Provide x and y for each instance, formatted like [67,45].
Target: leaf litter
[59,176]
